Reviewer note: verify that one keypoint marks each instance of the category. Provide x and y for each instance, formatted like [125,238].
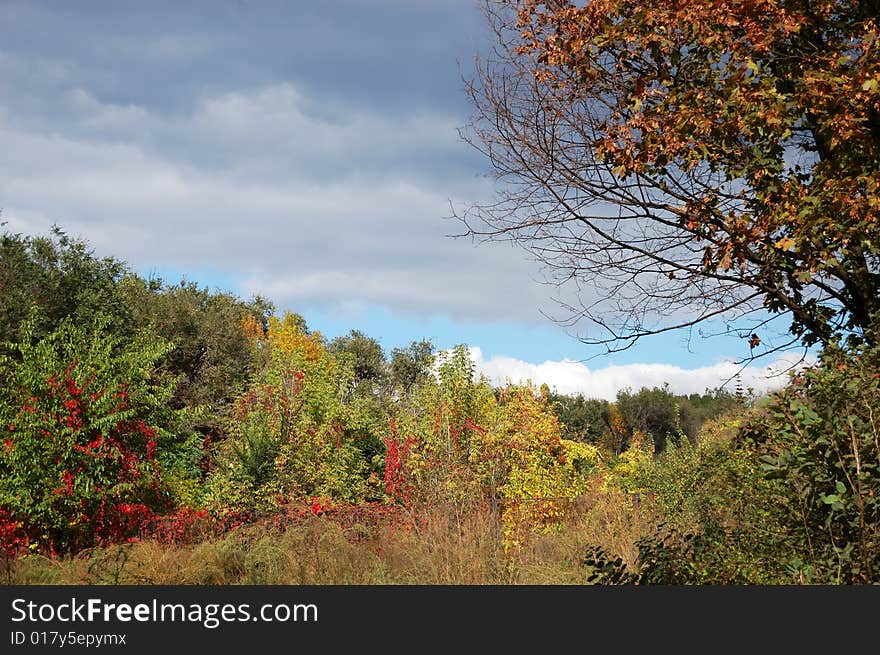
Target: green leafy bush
[84,422]
[713,512]
[821,440]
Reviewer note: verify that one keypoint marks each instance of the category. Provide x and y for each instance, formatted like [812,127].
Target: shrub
[84,422]
[287,440]
[821,440]
[713,512]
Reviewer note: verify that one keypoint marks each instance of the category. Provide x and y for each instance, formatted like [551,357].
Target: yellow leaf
[785,243]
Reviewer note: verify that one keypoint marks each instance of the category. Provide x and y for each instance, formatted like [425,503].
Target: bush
[287,440]
[84,422]
[713,511]
[821,440]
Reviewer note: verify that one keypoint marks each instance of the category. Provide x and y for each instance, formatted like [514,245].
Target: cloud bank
[572,377]
[309,150]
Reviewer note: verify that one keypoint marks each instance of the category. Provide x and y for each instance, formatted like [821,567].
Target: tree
[62,277]
[411,365]
[288,438]
[581,419]
[655,412]
[213,356]
[690,161]
[366,356]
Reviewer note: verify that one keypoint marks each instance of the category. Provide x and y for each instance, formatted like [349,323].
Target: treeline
[47,280]
[654,412]
[126,399]
[134,409]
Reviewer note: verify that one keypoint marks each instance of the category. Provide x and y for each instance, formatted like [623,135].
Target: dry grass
[454,545]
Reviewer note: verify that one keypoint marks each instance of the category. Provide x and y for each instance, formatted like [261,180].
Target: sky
[308,152]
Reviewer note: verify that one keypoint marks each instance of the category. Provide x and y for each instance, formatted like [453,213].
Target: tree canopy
[692,160]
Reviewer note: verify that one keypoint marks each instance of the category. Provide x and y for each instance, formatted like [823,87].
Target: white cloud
[572,377]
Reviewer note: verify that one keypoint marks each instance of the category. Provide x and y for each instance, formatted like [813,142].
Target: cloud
[572,377]
[236,180]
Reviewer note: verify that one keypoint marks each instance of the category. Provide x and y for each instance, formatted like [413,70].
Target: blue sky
[305,151]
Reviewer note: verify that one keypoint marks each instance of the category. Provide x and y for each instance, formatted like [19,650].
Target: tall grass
[457,544]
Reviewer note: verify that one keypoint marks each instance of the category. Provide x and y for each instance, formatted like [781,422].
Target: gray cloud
[138,186]
[310,149]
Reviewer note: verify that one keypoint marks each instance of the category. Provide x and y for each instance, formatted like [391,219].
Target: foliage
[411,365]
[441,422]
[541,471]
[99,416]
[213,355]
[716,507]
[86,429]
[656,412]
[459,441]
[61,277]
[369,398]
[288,440]
[582,419]
[605,569]
[712,513]
[366,358]
[625,471]
[821,440]
[667,558]
[691,159]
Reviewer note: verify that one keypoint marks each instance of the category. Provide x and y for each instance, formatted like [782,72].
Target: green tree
[63,278]
[411,365]
[656,412]
[582,419]
[213,357]
[366,357]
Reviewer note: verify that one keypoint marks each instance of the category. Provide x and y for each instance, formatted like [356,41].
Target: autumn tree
[289,438]
[689,161]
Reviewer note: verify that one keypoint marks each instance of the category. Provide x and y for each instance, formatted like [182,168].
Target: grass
[440,545]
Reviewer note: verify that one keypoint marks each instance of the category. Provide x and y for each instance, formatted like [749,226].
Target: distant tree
[411,365]
[581,419]
[698,408]
[366,357]
[690,161]
[61,277]
[654,411]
